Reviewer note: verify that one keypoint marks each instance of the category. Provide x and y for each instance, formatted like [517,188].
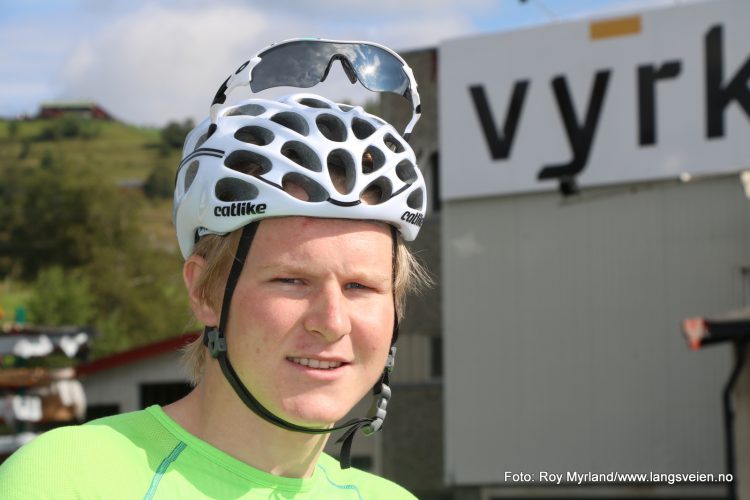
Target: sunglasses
[303,63]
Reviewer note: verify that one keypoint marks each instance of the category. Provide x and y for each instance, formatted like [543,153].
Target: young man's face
[312,316]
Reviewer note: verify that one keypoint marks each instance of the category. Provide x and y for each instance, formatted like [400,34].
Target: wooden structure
[34,397]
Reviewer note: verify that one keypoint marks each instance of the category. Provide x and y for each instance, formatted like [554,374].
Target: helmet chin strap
[214,338]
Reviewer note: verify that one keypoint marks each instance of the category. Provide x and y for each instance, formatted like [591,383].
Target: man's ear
[192,270]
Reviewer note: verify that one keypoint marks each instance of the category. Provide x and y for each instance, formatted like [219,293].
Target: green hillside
[122,151]
[80,241]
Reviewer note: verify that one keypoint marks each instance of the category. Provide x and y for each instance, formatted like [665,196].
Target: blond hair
[410,277]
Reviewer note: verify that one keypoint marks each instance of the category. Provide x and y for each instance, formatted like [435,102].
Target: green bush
[68,127]
[57,214]
[174,133]
[75,240]
[160,182]
[61,298]
[13,127]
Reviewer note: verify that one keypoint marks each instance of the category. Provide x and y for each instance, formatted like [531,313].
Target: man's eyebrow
[367,272]
[281,265]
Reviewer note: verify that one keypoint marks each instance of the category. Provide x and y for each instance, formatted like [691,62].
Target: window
[436,357]
[163,393]
[745,286]
[362,462]
[102,410]
[435,177]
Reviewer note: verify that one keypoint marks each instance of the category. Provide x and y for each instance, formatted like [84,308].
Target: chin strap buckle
[383,395]
[380,407]
[391,361]
[214,341]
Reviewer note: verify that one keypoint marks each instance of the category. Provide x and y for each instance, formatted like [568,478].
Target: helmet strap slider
[215,341]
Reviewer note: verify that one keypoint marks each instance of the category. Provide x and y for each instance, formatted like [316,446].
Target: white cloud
[158,63]
[30,56]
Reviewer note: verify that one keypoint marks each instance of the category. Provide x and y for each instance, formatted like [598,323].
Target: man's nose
[328,315]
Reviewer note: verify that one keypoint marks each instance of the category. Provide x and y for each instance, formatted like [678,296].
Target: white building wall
[563,349]
[120,385]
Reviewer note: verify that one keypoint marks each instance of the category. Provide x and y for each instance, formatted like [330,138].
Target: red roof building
[87,110]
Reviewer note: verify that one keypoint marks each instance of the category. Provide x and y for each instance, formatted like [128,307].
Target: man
[291,216]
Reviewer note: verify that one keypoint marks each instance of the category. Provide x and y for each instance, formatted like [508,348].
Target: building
[135,379]
[86,110]
[590,201]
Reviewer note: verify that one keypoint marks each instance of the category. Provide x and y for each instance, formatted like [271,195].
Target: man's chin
[315,417]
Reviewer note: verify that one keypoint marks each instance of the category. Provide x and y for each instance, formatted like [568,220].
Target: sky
[151,61]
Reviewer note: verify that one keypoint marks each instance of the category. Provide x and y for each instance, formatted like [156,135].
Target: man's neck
[222,420]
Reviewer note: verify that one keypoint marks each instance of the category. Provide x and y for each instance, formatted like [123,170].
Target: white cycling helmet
[302,155]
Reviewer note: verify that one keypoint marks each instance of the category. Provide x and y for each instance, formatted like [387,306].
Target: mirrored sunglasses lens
[295,64]
[378,69]
[303,64]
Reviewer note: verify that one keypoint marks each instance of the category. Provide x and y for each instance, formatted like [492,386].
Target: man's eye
[289,281]
[356,286]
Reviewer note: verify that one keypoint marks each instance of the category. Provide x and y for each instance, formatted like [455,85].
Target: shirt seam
[350,487]
[162,469]
[307,485]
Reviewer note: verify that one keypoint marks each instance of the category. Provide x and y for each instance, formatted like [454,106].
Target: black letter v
[499,145]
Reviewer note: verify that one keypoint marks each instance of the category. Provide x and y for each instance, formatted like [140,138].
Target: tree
[160,182]
[68,127]
[61,298]
[58,214]
[13,129]
[139,296]
[68,229]
[174,133]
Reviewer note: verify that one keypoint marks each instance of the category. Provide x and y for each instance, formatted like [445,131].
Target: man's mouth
[316,363]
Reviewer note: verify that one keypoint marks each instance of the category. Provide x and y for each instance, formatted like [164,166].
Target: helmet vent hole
[345,107]
[292,121]
[362,129]
[372,160]
[416,199]
[232,189]
[406,171]
[303,188]
[201,140]
[248,163]
[393,144]
[247,110]
[376,192]
[258,136]
[314,103]
[190,174]
[331,127]
[302,155]
[341,170]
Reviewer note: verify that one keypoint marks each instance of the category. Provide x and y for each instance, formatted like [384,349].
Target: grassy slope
[126,152]
[123,151]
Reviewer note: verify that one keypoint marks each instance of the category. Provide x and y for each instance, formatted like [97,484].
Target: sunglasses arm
[414,119]
[412,96]
[240,78]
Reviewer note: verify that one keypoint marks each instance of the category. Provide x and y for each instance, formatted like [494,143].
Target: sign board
[654,95]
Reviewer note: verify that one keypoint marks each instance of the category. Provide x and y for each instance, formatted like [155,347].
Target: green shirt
[146,454]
